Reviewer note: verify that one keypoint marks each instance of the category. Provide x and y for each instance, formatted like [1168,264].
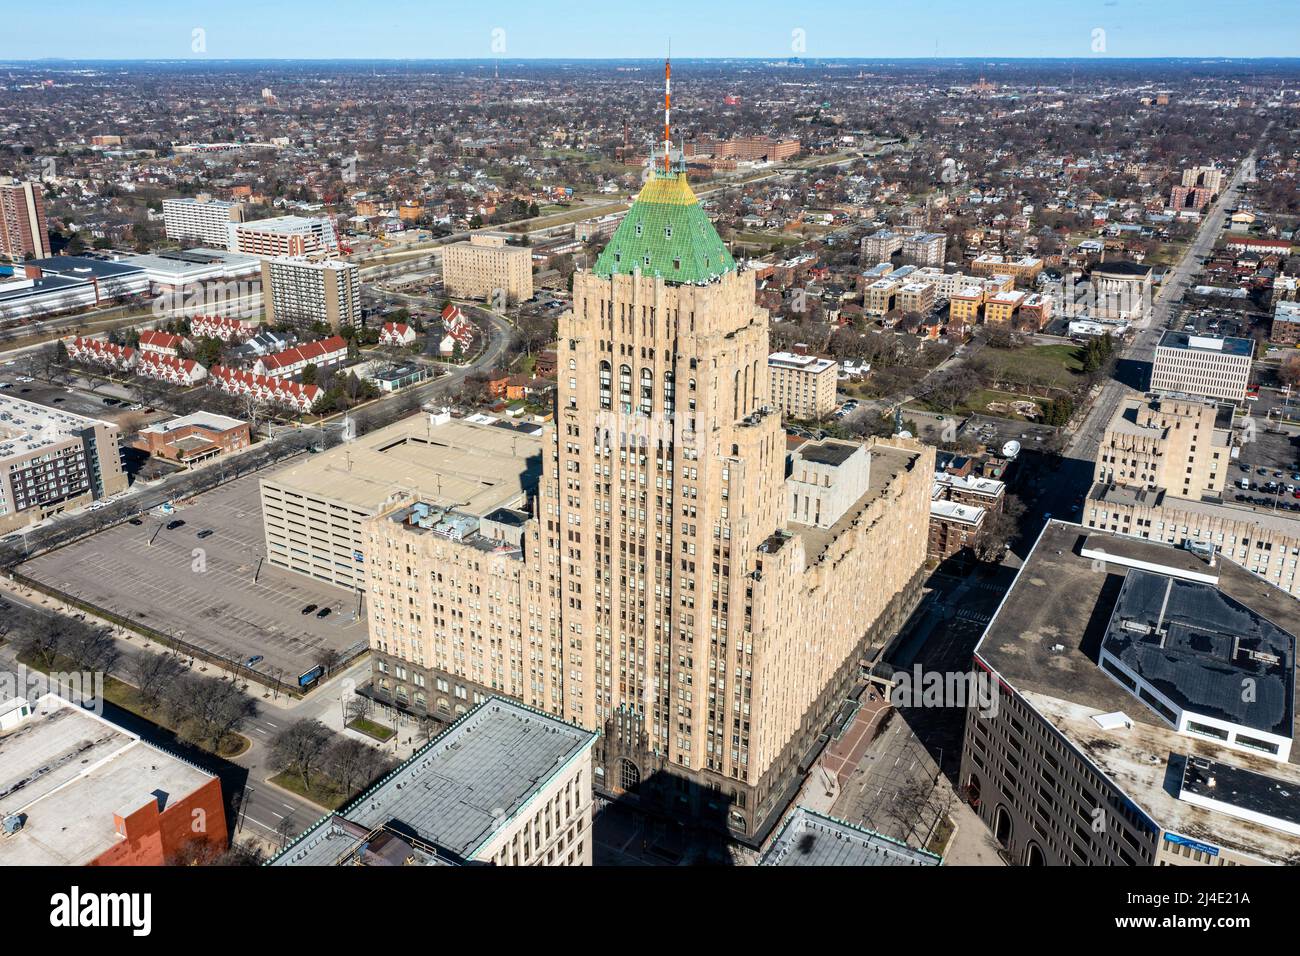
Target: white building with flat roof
[201,219]
[1207,365]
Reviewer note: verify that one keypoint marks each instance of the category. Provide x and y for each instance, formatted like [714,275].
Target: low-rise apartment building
[1023,270]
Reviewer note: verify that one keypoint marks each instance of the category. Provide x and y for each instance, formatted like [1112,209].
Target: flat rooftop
[26,426]
[1279,522]
[1199,648]
[1190,342]
[887,463]
[69,771]
[83,267]
[209,420]
[1047,635]
[811,839]
[828,452]
[1147,763]
[806,363]
[473,467]
[458,790]
[182,262]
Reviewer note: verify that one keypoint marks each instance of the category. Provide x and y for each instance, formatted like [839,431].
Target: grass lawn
[319,793]
[978,403]
[1051,366]
[1167,253]
[942,834]
[371,729]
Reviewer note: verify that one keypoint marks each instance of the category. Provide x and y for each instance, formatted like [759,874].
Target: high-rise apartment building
[201,219]
[926,248]
[24,232]
[1205,177]
[486,267]
[1206,365]
[880,245]
[52,461]
[1179,446]
[661,591]
[300,293]
[803,386]
[285,236]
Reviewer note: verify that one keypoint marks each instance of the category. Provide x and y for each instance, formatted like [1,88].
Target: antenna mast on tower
[668,101]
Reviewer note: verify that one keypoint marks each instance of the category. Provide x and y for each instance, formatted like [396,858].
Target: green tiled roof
[667,234]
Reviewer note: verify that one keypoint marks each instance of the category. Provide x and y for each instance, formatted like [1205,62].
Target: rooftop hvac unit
[13,823]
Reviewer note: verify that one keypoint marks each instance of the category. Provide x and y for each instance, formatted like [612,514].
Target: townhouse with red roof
[161,343]
[265,388]
[101,352]
[170,368]
[223,328]
[289,363]
[396,333]
[459,331]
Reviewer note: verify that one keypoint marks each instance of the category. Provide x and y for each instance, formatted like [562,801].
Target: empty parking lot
[213,592]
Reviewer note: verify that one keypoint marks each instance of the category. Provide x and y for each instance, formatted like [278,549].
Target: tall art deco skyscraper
[700,643]
[687,586]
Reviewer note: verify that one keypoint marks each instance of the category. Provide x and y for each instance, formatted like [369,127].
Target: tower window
[677,263]
[638,228]
[668,232]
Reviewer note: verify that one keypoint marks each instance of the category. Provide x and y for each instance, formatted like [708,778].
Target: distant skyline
[511,29]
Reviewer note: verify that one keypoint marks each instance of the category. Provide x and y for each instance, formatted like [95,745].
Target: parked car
[309,608]
[205,533]
[173,525]
[136,521]
[323,612]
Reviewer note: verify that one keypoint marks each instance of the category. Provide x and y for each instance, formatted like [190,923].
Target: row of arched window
[643,400]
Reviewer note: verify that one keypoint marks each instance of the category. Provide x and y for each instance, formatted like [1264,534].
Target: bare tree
[152,673]
[301,747]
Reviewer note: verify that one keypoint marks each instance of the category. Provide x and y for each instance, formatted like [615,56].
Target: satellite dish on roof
[1011,449]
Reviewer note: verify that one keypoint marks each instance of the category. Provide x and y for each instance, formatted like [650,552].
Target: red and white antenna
[668,102]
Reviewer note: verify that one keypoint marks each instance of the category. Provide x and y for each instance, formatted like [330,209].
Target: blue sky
[435,29]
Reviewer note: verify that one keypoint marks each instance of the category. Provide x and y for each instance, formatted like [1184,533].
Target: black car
[173,525]
[134,521]
[323,612]
[309,608]
[205,533]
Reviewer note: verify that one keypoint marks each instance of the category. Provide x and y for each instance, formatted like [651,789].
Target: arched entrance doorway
[1034,855]
[1002,826]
